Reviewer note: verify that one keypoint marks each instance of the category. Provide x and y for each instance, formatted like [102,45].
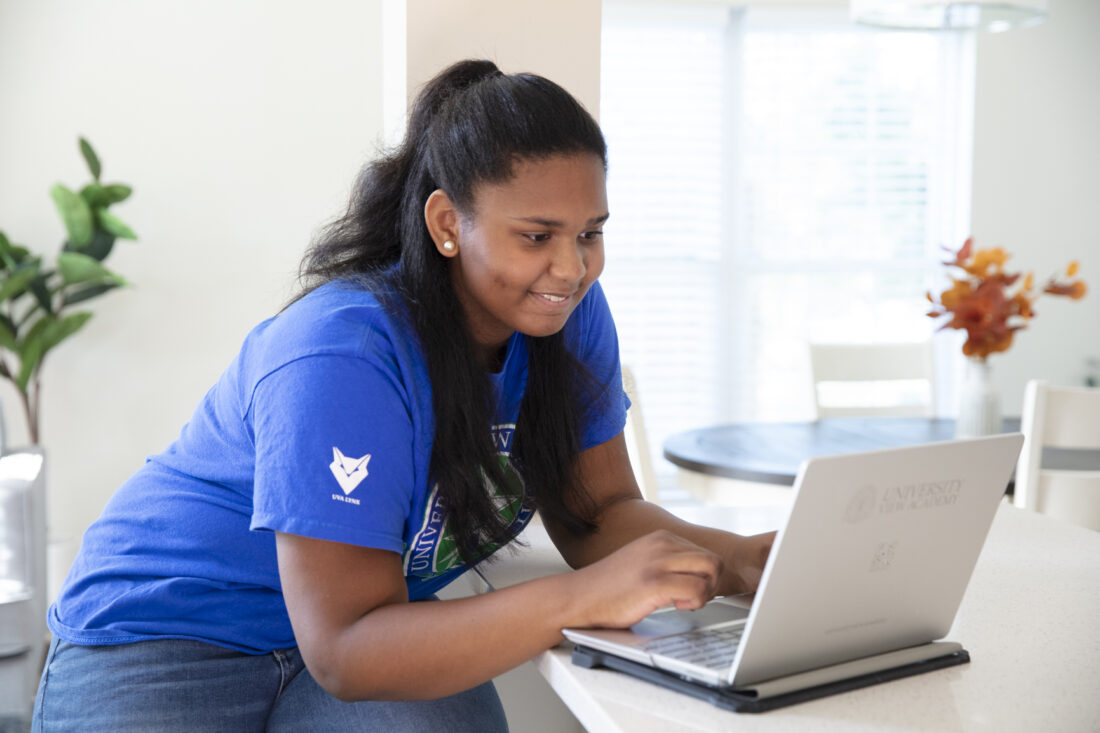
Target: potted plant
[37,300]
[981,302]
[38,311]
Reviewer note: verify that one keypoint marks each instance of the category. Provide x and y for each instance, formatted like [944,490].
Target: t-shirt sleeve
[595,343]
[334,451]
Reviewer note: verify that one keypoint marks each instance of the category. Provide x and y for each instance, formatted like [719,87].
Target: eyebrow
[556,224]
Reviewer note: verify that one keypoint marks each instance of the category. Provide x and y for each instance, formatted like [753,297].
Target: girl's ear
[442,219]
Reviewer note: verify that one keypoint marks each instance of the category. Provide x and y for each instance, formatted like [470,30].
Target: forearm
[414,651]
[626,519]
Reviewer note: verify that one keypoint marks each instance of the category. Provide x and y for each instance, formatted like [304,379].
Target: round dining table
[772,453]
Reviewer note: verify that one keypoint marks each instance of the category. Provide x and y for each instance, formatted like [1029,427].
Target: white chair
[837,368]
[637,444]
[1059,417]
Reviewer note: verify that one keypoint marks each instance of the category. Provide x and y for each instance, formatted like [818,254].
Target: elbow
[334,683]
[326,672]
[335,674]
[347,695]
[352,680]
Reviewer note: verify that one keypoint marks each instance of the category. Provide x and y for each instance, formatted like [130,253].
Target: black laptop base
[740,702]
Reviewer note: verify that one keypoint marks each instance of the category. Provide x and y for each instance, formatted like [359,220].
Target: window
[775,177]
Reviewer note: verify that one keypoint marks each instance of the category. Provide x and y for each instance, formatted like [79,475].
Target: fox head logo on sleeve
[349,472]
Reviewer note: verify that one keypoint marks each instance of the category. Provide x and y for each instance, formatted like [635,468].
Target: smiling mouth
[552,298]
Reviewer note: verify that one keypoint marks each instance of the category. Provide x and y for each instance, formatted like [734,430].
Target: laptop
[862,582]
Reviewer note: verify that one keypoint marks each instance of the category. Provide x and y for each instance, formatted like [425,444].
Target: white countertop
[1030,620]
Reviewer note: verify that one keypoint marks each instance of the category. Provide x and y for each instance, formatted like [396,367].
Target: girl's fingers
[657,570]
[689,592]
[681,556]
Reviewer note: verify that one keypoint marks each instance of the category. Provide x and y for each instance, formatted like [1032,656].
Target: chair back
[873,380]
[1059,417]
[637,444]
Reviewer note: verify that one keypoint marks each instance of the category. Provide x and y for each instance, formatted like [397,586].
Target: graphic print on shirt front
[434,549]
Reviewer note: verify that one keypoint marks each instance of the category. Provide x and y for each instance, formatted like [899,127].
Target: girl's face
[531,248]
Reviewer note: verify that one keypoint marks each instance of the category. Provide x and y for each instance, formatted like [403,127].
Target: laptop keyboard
[713,648]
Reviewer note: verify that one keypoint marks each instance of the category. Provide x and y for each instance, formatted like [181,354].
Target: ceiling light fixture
[961,15]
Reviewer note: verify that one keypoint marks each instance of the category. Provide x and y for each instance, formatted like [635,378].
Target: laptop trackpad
[673,621]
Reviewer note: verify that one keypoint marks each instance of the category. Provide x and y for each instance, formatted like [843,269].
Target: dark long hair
[468,126]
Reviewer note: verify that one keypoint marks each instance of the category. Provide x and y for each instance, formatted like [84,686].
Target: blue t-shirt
[322,426]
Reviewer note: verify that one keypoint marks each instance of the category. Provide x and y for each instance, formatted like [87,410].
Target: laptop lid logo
[862,506]
[869,501]
[925,495]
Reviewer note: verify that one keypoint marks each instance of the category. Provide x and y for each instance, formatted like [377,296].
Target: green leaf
[17,283]
[35,331]
[95,196]
[9,324]
[30,352]
[90,158]
[76,267]
[29,356]
[114,225]
[117,192]
[98,248]
[41,292]
[76,214]
[86,292]
[6,253]
[45,334]
[57,331]
[100,197]
[7,335]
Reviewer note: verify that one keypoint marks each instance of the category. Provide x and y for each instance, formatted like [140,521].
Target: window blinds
[775,177]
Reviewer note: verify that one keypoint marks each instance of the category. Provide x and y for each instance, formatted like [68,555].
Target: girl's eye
[592,236]
[539,237]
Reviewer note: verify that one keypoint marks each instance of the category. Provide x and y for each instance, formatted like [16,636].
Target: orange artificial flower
[980,304]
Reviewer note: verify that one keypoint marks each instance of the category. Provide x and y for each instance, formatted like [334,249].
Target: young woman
[452,369]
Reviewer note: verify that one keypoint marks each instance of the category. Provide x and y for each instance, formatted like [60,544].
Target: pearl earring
[449,246]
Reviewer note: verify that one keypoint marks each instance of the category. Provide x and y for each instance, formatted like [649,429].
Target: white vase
[979,402]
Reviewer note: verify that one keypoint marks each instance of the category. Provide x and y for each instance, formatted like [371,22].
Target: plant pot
[22,575]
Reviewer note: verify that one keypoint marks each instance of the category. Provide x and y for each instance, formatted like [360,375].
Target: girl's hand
[745,565]
[659,569]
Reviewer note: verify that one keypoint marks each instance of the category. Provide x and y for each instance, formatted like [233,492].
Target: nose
[568,262]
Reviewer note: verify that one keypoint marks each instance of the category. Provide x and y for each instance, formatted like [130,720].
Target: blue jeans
[175,685]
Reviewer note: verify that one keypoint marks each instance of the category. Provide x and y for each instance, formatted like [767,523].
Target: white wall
[1036,186]
[559,40]
[241,125]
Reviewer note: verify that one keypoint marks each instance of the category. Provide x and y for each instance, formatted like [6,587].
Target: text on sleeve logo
[349,472]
